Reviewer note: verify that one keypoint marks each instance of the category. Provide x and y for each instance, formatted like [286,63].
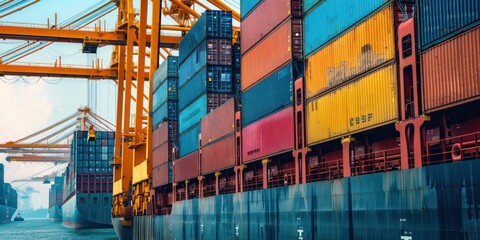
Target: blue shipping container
[192,64]
[167,91]
[192,114]
[168,69]
[271,94]
[168,111]
[330,18]
[212,23]
[246,6]
[308,4]
[212,79]
[440,20]
[189,140]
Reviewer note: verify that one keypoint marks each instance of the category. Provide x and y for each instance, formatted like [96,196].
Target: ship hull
[80,211]
[55,213]
[6,213]
[434,202]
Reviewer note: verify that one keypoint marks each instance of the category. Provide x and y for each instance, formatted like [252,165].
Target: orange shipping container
[186,167]
[451,71]
[271,53]
[218,155]
[218,123]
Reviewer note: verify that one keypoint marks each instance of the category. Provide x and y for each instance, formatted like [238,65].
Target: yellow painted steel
[117,187]
[140,173]
[370,101]
[368,45]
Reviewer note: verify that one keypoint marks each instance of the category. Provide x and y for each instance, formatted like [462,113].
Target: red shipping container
[160,154]
[218,155]
[262,20]
[186,167]
[268,136]
[450,72]
[218,123]
[160,175]
[267,55]
[160,135]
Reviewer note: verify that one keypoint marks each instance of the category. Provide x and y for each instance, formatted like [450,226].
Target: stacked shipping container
[271,60]
[55,199]
[205,81]
[165,133]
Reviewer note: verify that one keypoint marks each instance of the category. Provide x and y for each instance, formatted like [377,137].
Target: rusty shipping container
[451,71]
[162,175]
[186,167]
[219,123]
[268,136]
[162,154]
[366,46]
[279,47]
[367,102]
[268,15]
[218,155]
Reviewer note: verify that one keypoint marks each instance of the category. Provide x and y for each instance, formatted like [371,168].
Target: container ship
[55,195]
[87,181]
[8,198]
[330,120]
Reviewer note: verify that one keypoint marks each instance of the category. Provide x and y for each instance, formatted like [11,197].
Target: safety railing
[326,170]
[450,149]
[209,190]
[281,178]
[379,161]
[253,183]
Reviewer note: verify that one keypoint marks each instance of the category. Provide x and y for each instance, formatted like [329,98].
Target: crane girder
[58,71]
[32,145]
[34,158]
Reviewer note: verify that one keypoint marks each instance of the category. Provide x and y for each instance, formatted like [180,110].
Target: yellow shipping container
[366,46]
[370,101]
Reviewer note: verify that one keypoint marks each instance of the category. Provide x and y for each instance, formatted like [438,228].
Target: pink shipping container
[160,154]
[161,175]
[272,52]
[160,135]
[218,155]
[451,72]
[218,123]
[186,167]
[268,136]
[265,17]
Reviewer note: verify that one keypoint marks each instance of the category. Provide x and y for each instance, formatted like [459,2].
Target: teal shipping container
[246,6]
[189,140]
[328,19]
[441,20]
[166,91]
[193,113]
[168,69]
[192,64]
[271,94]
[168,111]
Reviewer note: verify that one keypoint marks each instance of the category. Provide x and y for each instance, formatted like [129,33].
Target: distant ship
[55,200]
[8,198]
[87,187]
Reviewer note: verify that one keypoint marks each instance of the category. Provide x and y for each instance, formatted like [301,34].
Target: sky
[29,104]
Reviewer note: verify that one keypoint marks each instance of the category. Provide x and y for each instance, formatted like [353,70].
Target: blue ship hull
[6,213]
[82,211]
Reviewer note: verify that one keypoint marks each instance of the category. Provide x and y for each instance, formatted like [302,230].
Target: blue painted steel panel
[192,114]
[246,6]
[168,69]
[440,20]
[168,111]
[166,91]
[188,140]
[308,4]
[192,64]
[330,18]
[267,96]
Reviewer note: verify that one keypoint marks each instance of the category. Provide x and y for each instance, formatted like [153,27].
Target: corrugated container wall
[162,175]
[268,136]
[167,90]
[168,69]
[236,64]
[194,112]
[188,140]
[278,48]
[451,71]
[268,15]
[212,24]
[164,138]
[168,111]
[271,94]
[440,20]
[329,18]
[246,6]
[186,167]
[219,123]
[364,47]
[218,155]
[367,102]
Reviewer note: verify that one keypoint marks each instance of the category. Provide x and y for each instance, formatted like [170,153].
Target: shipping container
[211,79]
[212,24]
[440,20]
[218,155]
[189,140]
[328,19]
[162,154]
[218,123]
[268,136]
[246,6]
[186,167]
[236,74]
[162,175]
[367,102]
[268,15]
[278,48]
[168,69]
[164,132]
[194,112]
[166,91]
[364,47]
[451,71]
[269,95]
[168,111]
